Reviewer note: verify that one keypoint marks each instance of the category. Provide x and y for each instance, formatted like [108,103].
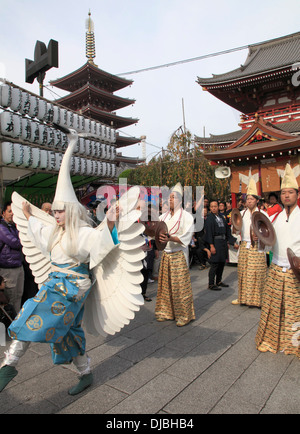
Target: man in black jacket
[217,235]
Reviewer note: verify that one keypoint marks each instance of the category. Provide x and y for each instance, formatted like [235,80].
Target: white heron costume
[84,273]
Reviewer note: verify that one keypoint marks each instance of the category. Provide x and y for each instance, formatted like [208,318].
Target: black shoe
[147,298]
[224,285]
[214,287]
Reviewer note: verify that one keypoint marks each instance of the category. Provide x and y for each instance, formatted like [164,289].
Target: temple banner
[240,178]
[272,173]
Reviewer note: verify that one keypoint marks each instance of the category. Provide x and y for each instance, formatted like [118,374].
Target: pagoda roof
[107,118]
[88,90]
[264,58]
[87,73]
[122,141]
[262,138]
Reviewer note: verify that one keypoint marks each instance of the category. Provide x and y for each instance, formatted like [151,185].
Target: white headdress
[178,189]
[64,193]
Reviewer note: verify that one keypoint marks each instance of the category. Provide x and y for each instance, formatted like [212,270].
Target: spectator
[11,267]
[217,235]
[274,206]
[47,207]
[7,311]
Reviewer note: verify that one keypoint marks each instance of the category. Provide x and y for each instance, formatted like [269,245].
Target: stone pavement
[209,366]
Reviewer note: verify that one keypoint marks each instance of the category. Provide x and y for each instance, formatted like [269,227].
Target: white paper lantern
[58,160]
[89,167]
[81,149]
[88,147]
[36,156]
[18,154]
[65,141]
[82,166]
[25,106]
[50,137]
[57,139]
[107,151]
[104,168]
[27,156]
[87,125]
[113,152]
[56,114]
[43,159]
[77,165]
[35,132]
[43,135]
[49,116]
[103,150]
[113,135]
[51,160]
[98,129]
[34,106]
[10,124]
[94,127]
[5,95]
[94,168]
[99,168]
[16,99]
[75,121]
[81,123]
[26,132]
[108,169]
[7,152]
[93,148]
[97,150]
[42,112]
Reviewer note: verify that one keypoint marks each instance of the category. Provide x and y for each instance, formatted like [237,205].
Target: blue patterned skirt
[54,315]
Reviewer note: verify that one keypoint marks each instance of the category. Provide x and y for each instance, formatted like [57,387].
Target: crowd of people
[276,291]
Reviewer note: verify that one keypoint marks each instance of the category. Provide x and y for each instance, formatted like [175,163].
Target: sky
[136,34]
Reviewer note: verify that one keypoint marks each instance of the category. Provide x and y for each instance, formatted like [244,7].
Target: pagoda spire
[90,40]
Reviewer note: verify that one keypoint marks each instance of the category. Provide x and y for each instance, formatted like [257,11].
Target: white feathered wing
[39,264]
[116,293]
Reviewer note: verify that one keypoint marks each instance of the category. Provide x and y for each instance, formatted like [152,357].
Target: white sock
[82,364]
[16,350]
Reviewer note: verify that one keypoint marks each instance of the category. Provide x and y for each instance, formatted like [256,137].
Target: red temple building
[266,91]
[92,92]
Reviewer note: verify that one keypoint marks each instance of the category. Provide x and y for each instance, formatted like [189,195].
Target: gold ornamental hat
[252,189]
[289,179]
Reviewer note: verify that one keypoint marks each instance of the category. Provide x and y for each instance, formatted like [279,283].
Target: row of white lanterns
[35,107]
[17,155]
[15,126]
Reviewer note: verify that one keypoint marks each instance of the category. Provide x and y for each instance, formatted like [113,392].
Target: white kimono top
[93,244]
[181,225]
[245,231]
[287,235]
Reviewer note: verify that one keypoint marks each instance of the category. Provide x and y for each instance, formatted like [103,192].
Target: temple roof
[266,57]
[268,148]
[87,91]
[288,127]
[90,73]
[261,139]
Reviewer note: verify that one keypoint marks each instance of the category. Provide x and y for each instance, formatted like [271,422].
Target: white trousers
[18,348]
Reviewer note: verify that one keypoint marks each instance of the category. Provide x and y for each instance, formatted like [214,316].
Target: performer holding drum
[280,312]
[252,265]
